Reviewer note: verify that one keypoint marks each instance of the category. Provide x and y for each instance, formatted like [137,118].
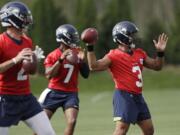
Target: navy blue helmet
[68,35]
[15,14]
[123,32]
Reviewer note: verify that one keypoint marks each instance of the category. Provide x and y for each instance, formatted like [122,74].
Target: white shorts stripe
[43,95]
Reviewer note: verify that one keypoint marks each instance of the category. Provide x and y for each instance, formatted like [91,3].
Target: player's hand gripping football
[23,55]
[89,36]
[81,53]
[39,53]
[65,53]
[70,55]
[160,45]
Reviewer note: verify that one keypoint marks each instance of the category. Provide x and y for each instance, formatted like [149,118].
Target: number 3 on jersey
[69,74]
[137,69]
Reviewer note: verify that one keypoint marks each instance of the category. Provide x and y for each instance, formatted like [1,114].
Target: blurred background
[152,17]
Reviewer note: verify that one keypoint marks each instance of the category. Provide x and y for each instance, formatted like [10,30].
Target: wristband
[160,54]
[61,60]
[90,48]
[14,61]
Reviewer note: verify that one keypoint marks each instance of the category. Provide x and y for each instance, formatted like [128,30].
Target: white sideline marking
[99,96]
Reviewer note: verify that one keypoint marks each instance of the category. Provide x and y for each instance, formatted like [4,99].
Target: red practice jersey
[67,78]
[127,69]
[13,81]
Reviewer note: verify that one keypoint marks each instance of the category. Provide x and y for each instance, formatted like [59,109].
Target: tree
[116,11]
[85,14]
[174,47]
[46,19]
[152,31]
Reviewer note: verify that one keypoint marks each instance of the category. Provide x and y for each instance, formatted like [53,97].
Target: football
[89,35]
[72,57]
[30,66]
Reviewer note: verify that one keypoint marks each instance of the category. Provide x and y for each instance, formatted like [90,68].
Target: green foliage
[116,11]
[85,14]
[153,29]
[47,18]
[174,47]
[152,18]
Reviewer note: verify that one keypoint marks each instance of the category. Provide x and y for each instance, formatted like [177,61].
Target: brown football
[30,66]
[89,35]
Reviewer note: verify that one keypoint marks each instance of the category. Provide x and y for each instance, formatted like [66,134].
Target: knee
[149,131]
[71,122]
[121,130]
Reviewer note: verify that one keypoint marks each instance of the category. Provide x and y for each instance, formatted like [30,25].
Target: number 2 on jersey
[21,76]
[137,69]
[69,74]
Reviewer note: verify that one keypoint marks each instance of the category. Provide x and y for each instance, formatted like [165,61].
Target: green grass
[161,91]
[168,78]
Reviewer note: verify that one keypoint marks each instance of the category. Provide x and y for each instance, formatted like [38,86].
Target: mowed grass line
[161,90]
[95,117]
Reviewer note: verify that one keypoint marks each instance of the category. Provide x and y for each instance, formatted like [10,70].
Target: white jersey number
[70,71]
[137,69]
[21,76]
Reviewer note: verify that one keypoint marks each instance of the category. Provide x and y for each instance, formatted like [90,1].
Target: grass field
[161,91]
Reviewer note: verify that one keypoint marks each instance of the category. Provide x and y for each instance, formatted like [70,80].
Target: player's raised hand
[39,53]
[160,45]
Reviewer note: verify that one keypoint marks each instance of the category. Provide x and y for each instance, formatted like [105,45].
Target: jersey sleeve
[110,55]
[0,47]
[49,61]
[143,53]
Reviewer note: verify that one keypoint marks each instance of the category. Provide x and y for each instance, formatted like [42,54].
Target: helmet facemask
[67,35]
[124,33]
[16,14]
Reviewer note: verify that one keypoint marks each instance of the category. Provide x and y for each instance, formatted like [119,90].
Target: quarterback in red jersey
[16,101]
[126,64]
[62,90]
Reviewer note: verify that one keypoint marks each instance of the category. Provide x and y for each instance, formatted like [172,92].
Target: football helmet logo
[15,14]
[123,32]
[68,35]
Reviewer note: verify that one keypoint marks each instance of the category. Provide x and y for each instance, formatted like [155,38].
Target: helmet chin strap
[132,45]
[129,51]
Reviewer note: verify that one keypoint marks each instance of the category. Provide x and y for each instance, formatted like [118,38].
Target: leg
[147,127]
[125,111]
[4,130]
[121,128]
[49,114]
[144,118]
[71,116]
[40,124]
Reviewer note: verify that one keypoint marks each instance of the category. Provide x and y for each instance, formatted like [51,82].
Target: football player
[126,64]
[16,100]
[62,89]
